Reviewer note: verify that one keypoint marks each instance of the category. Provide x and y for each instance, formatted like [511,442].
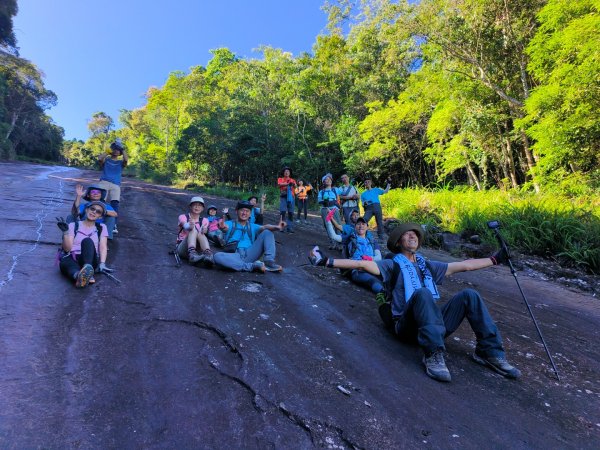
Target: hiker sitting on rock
[214,233]
[192,243]
[84,245]
[412,283]
[248,242]
[97,194]
[257,214]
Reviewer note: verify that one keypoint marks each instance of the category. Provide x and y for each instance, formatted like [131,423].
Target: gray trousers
[243,258]
[374,209]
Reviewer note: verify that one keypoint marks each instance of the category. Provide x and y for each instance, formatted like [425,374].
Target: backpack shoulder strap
[98,230]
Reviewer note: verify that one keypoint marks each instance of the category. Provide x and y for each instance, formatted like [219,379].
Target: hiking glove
[500,257]
[102,268]
[62,224]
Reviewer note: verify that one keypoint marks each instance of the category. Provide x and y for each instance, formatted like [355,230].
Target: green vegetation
[499,99]
[553,226]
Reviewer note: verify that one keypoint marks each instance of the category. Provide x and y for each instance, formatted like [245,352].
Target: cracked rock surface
[197,358]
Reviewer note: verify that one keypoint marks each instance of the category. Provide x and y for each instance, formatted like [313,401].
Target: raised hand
[79,190]
[62,224]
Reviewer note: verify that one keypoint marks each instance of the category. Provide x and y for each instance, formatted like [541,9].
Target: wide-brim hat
[197,199]
[96,202]
[392,243]
[96,188]
[212,207]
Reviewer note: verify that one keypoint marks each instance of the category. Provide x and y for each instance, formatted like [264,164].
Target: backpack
[350,245]
[385,309]
[231,246]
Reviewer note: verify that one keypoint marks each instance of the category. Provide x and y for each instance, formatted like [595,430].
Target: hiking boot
[272,266]
[380,298]
[435,366]
[194,257]
[498,364]
[84,275]
[258,266]
[208,257]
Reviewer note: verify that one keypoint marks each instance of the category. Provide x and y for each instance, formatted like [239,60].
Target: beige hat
[197,199]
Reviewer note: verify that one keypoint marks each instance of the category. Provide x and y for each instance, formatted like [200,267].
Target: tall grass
[559,227]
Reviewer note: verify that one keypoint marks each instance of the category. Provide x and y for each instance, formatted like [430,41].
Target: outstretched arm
[467,265]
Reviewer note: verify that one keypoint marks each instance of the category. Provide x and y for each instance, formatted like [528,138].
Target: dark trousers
[115,206]
[430,324]
[70,266]
[367,280]
[347,211]
[302,205]
[374,209]
[285,206]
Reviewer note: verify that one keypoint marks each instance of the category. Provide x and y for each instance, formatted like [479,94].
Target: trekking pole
[111,276]
[495,225]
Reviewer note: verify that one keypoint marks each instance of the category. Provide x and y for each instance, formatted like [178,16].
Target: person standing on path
[330,208]
[412,283]
[302,197]
[287,186]
[112,169]
[372,206]
[349,198]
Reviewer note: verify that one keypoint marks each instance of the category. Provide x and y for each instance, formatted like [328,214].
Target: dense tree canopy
[436,91]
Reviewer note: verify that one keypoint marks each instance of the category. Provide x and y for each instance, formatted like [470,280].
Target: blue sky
[103,55]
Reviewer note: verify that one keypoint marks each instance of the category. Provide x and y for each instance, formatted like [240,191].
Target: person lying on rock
[412,282]
[84,246]
[246,243]
[192,243]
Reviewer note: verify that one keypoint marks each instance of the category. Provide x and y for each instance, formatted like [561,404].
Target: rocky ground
[197,358]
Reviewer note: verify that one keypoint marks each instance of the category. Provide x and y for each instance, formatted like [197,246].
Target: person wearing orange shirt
[302,197]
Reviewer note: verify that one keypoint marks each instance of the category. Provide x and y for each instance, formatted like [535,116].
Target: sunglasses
[95,191]
[96,210]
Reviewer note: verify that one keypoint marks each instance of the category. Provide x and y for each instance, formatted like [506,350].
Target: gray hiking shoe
[194,257]
[435,366]
[272,266]
[498,364]
[258,266]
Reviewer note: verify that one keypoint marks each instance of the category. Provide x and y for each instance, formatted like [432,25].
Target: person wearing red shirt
[287,187]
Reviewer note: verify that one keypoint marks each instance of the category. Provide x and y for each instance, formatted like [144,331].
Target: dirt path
[196,358]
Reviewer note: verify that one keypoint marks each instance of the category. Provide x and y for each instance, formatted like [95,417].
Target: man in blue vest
[250,241]
[414,295]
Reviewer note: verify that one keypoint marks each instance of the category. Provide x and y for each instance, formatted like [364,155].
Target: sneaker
[258,266]
[297,220]
[305,222]
[194,257]
[380,298]
[115,230]
[208,257]
[435,366]
[498,364]
[272,266]
[84,275]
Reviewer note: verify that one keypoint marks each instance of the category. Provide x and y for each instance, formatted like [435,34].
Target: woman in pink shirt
[85,247]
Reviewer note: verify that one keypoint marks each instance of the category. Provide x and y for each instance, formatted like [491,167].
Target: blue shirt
[111,171]
[246,235]
[253,214]
[386,267]
[328,195]
[372,195]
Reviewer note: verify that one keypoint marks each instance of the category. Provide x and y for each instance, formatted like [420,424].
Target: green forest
[449,96]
